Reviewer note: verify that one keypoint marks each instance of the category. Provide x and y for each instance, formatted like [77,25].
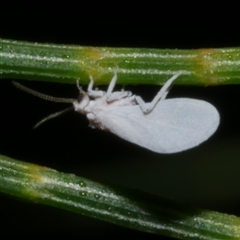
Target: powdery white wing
[174,125]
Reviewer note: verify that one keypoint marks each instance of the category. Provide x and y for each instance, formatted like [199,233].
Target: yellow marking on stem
[35,180]
[91,63]
[205,66]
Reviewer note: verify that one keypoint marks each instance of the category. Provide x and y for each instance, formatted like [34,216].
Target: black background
[207,176]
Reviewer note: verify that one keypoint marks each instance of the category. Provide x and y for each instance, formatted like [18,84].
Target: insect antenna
[51,116]
[48,98]
[41,95]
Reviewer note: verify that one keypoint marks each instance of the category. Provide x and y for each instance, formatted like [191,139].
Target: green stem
[129,208]
[65,64]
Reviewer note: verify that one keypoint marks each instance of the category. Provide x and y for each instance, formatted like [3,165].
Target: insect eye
[80,97]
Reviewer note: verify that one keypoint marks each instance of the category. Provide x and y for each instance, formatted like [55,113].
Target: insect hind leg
[161,95]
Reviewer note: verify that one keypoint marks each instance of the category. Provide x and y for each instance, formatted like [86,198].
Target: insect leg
[118,95]
[113,96]
[94,93]
[112,84]
[161,95]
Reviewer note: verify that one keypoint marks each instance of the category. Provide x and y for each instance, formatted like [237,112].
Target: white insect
[162,126]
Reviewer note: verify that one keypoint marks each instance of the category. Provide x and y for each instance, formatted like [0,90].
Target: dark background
[207,176]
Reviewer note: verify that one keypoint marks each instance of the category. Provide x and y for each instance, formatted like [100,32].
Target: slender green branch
[129,208]
[62,63]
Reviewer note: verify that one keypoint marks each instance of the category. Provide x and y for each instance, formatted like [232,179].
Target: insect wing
[174,125]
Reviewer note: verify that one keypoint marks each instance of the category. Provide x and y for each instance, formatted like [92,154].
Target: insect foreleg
[93,93]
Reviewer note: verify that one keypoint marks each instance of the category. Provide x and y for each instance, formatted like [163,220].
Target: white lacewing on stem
[162,126]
